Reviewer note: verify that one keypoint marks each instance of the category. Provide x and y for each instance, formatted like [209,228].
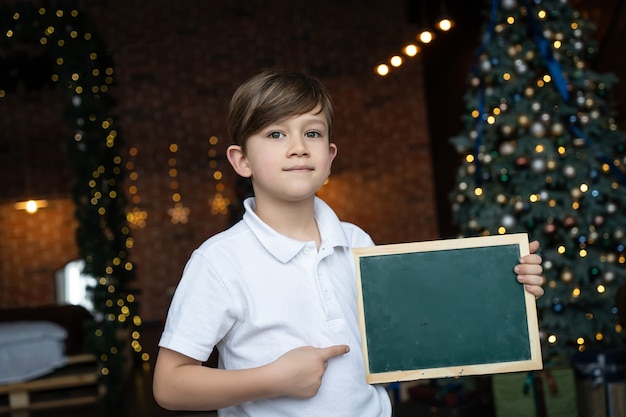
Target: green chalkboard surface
[446,308]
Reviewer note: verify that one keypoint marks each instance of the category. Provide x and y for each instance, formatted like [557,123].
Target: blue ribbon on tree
[548,55]
[481,92]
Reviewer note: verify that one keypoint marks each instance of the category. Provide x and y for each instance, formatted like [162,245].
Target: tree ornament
[549,228]
[611,208]
[547,265]
[507,148]
[506,130]
[509,4]
[538,130]
[609,276]
[594,272]
[485,65]
[583,118]
[569,221]
[618,234]
[538,165]
[547,34]
[523,120]
[598,220]
[508,221]
[552,164]
[512,51]
[566,275]
[569,171]
[557,306]
[520,67]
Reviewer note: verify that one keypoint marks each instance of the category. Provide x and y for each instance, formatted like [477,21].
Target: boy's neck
[295,220]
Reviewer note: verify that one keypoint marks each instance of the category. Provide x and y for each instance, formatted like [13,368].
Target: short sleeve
[202,310]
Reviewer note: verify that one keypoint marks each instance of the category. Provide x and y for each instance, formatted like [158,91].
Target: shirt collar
[284,248]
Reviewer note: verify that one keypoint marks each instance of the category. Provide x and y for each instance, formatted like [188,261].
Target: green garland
[84,70]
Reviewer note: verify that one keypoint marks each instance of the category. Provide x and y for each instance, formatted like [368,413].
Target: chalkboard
[445,308]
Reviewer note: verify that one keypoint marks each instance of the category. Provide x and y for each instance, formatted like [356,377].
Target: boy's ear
[333,151]
[238,161]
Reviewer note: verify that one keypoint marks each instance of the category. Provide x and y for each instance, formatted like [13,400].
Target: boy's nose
[297,146]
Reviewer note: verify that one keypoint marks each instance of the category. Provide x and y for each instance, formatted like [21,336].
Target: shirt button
[307,251]
[326,295]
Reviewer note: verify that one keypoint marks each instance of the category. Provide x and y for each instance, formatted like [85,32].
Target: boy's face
[287,160]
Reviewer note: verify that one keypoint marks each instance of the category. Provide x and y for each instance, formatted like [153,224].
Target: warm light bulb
[445,24]
[425,37]
[411,50]
[382,70]
[31,206]
[395,61]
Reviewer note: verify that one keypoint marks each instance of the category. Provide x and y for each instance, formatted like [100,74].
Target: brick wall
[177,63]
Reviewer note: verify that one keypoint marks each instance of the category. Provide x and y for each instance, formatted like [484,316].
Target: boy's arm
[182,383]
[529,271]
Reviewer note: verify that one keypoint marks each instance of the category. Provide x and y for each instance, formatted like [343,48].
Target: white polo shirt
[257,294]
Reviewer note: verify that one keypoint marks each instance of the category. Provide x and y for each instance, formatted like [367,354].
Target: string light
[219,204]
[411,50]
[445,24]
[426,36]
[136,216]
[179,213]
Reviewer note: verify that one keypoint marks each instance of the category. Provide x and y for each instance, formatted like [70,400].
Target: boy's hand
[301,370]
[529,271]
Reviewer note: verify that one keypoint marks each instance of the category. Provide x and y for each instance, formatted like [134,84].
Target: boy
[277,292]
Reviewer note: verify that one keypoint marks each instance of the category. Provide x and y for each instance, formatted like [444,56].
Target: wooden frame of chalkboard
[445,308]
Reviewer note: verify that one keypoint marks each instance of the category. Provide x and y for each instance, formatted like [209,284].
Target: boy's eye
[275,135]
[313,134]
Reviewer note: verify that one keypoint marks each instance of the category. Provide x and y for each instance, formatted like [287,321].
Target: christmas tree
[543,155]
[84,70]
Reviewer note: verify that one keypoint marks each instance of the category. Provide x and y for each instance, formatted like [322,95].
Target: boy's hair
[274,95]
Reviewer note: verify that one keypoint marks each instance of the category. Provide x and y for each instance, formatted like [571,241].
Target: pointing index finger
[334,351]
